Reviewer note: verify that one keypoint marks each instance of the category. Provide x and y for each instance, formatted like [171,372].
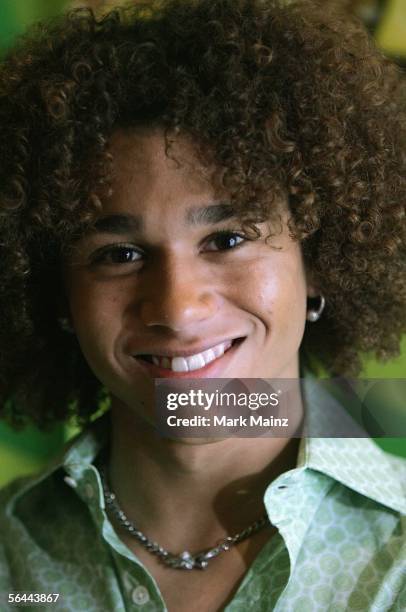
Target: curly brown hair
[279,95]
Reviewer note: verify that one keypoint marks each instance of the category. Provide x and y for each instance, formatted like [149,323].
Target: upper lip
[182,352]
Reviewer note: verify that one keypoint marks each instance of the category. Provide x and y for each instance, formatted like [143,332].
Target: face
[169,285]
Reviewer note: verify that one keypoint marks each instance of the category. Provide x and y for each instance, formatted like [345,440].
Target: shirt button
[70,481]
[140,595]
[89,491]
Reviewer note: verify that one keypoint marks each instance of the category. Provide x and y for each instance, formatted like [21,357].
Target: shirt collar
[357,463]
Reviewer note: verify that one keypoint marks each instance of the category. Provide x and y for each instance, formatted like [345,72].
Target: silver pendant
[187,561]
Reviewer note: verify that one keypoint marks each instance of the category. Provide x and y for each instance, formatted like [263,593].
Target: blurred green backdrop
[28,451]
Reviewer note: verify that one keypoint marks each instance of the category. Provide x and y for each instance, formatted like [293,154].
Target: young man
[186,186]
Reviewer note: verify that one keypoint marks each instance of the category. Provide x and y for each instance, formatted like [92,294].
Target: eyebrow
[198,215]
[210,215]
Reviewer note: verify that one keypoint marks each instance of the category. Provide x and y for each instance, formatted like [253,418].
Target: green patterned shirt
[340,546]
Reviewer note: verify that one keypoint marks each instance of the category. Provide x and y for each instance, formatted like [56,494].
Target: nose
[177,297]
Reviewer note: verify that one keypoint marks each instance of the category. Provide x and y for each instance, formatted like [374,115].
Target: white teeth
[219,350]
[194,362]
[209,355]
[179,364]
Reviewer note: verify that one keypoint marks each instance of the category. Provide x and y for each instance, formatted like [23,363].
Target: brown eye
[123,255]
[116,255]
[225,241]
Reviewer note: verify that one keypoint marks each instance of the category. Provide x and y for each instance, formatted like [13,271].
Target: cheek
[95,311]
[272,288]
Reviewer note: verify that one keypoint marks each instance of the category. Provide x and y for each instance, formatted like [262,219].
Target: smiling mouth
[190,363]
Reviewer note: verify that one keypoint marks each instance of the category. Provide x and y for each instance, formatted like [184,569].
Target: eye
[116,255]
[224,241]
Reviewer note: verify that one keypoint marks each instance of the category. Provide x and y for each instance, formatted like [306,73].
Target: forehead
[143,157]
[161,179]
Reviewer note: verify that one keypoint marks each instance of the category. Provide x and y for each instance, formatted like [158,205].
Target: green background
[28,451]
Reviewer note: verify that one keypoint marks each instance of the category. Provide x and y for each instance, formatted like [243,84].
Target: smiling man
[199,189]
[169,273]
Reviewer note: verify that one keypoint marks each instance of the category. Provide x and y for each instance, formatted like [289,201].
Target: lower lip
[211,370]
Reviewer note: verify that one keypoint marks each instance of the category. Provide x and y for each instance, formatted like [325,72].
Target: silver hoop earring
[65,325]
[314,315]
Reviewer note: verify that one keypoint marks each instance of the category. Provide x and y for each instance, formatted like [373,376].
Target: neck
[196,492]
